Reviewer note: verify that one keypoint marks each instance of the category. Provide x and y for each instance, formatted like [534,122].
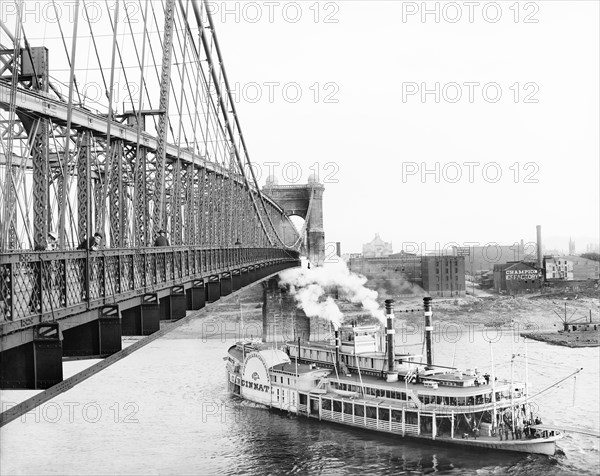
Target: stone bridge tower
[305,201]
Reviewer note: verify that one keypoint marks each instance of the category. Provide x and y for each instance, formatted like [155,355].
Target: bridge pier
[260,271]
[173,306]
[214,289]
[35,365]
[226,284]
[196,295]
[150,314]
[141,320]
[165,308]
[178,302]
[245,276]
[281,316]
[98,338]
[236,279]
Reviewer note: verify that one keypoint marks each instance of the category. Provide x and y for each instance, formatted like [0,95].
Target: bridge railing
[57,284]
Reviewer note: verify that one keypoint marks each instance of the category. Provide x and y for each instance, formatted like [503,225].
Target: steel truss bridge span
[170,156]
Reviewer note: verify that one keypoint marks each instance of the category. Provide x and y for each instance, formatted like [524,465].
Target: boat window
[397,416]
[337,406]
[359,410]
[326,404]
[371,412]
[347,408]
[302,399]
[411,418]
[384,414]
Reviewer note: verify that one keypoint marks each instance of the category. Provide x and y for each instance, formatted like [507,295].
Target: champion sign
[521,274]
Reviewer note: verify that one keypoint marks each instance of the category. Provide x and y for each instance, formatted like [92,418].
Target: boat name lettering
[255,386]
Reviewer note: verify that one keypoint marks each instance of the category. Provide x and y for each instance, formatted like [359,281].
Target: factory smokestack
[540,256]
[428,329]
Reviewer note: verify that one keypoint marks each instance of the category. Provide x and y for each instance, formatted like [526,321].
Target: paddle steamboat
[359,380]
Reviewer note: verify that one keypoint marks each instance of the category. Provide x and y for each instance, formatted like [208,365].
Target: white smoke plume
[309,285]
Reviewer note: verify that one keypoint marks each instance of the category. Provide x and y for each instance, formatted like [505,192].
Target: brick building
[437,275]
[443,275]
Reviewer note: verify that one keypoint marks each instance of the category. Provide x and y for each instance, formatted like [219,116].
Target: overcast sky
[499,165]
[429,123]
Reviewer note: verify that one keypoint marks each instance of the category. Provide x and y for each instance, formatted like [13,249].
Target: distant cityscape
[454,271]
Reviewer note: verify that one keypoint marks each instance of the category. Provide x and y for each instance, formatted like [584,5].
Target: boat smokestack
[389,312]
[428,328]
[540,255]
[336,333]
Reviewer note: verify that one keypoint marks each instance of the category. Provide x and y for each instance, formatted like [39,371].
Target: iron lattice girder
[38,104]
[83,186]
[39,157]
[219,186]
[163,120]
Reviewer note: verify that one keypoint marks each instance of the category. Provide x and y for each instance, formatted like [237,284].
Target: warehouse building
[517,277]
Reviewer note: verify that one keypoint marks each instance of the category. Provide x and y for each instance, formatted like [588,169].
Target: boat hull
[544,446]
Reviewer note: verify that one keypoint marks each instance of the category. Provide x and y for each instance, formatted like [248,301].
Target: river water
[165,410]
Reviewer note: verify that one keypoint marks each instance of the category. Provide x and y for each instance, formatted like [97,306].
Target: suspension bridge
[116,120]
